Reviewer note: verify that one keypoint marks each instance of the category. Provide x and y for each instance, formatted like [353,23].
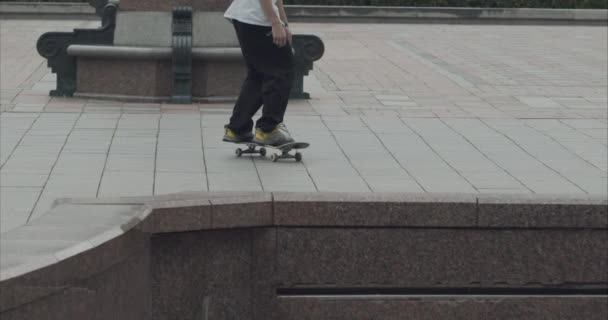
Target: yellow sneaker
[277,137]
[231,136]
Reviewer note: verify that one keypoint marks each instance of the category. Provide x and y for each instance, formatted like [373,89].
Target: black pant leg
[248,103]
[276,67]
[276,89]
[250,97]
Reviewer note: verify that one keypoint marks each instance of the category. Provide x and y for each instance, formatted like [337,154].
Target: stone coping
[87,236]
[153,53]
[352,13]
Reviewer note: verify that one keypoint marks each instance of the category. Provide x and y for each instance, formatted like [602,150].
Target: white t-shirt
[249,11]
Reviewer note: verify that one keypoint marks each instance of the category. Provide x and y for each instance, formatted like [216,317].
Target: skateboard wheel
[298,157]
[263,152]
[239,152]
[274,157]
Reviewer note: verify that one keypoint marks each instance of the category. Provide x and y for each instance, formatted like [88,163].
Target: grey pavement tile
[31,139]
[392,97]
[43,88]
[25,107]
[18,199]
[391,111]
[101,109]
[180,122]
[48,121]
[350,124]
[329,110]
[218,161]
[554,185]
[392,184]
[329,165]
[584,123]
[84,144]
[386,125]
[5,106]
[417,113]
[214,143]
[504,191]
[406,104]
[180,143]
[128,148]
[373,163]
[188,152]
[22,180]
[140,110]
[41,165]
[228,186]
[21,98]
[130,162]
[81,184]
[592,185]
[38,151]
[569,102]
[139,121]
[445,184]
[53,232]
[540,102]
[80,163]
[508,183]
[231,181]
[214,121]
[175,182]
[45,203]
[136,133]
[364,150]
[337,184]
[383,171]
[300,187]
[92,147]
[284,176]
[596,133]
[65,186]
[174,135]
[121,184]
[97,122]
[92,133]
[9,222]
[173,163]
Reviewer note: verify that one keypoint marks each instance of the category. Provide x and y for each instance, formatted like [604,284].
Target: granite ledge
[543,211]
[120,226]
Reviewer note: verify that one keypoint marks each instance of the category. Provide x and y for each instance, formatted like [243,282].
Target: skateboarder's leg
[248,103]
[275,94]
[250,97]
[278,79]
[276,65]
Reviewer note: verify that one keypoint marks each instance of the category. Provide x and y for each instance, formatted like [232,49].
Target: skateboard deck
[285,149]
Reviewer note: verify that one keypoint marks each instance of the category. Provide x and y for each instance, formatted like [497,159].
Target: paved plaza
[395,108]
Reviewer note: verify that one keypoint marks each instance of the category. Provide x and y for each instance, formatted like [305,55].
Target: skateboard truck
[285,149]
[251,149]
[285,155]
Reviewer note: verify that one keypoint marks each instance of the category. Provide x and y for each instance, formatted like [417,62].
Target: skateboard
[285,149]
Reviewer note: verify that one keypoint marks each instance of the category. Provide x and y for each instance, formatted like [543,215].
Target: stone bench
[144,73]
[133,56]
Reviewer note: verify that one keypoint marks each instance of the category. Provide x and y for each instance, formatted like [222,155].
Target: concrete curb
[354,14]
